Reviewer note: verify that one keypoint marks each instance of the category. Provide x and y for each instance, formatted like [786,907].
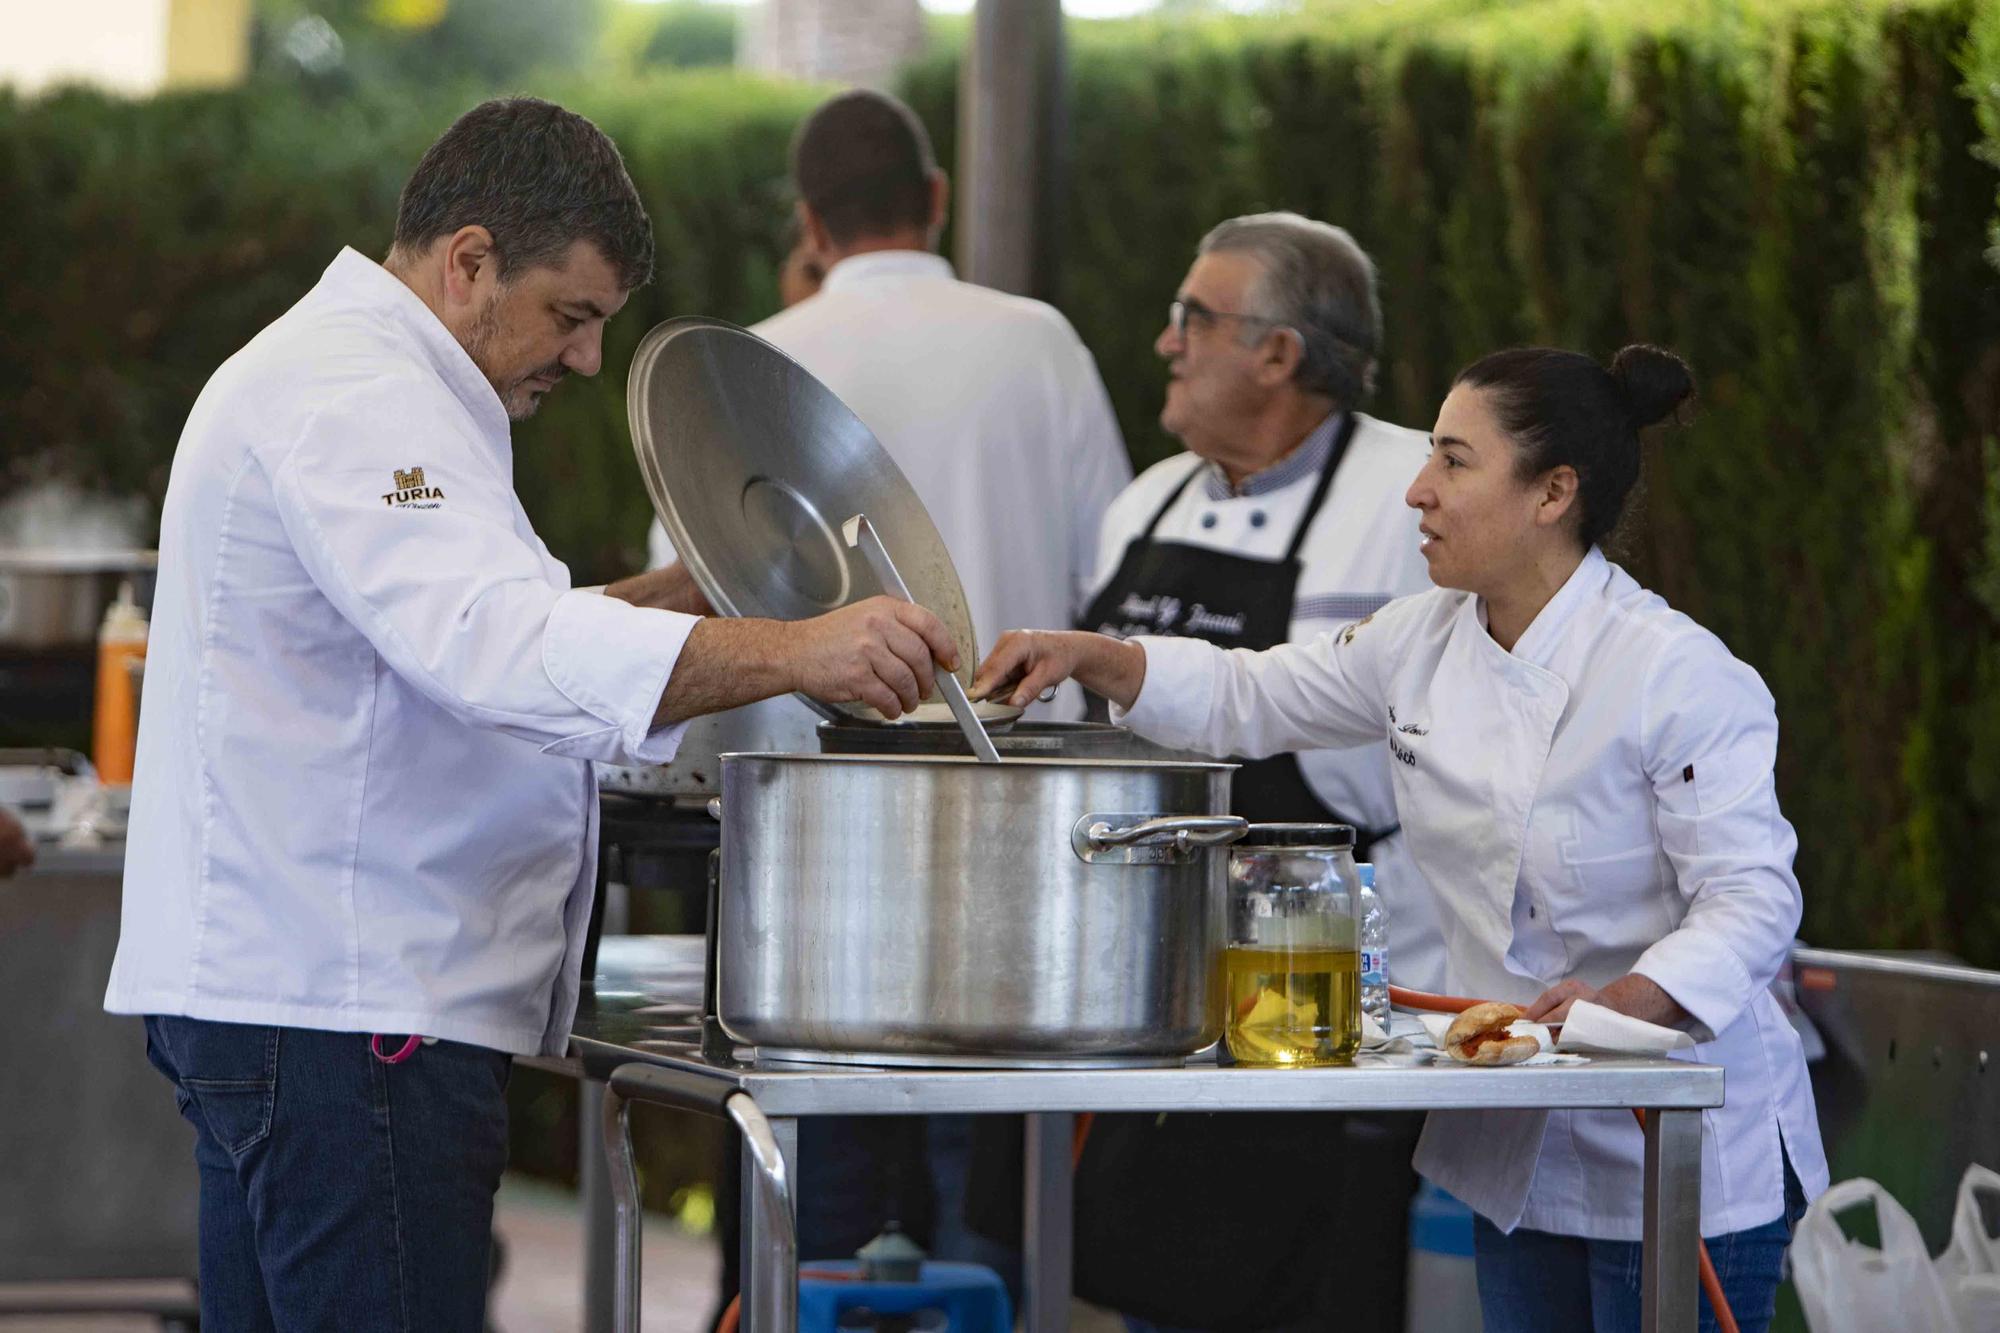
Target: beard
[516,399]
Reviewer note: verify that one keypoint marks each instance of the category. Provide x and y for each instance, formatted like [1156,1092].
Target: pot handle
[1145,840]
[715,808]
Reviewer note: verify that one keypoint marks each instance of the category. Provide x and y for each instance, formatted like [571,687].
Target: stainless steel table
[98,1190]
[640,1035]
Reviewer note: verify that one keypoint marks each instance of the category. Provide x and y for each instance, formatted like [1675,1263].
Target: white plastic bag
[1970,1264]
[1847,1287]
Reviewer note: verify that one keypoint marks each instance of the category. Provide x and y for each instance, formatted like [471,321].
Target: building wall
[128,46]
[208,43]
[857,42]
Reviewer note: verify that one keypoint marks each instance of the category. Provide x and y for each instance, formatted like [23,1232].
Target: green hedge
[145,242]
[1796,194]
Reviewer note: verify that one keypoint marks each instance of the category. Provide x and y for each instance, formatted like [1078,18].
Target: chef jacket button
[1256,518]
[1208,520]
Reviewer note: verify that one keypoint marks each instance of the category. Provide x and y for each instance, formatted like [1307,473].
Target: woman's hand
[1632,994]
[1026,662]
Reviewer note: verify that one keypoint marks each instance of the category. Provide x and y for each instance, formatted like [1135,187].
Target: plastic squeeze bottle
[115,724]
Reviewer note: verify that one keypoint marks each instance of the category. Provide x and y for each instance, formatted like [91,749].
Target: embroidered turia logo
[411,492]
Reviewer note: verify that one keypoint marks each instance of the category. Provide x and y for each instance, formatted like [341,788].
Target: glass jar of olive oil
[1292,967]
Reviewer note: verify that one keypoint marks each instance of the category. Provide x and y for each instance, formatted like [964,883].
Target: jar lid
[1326,837]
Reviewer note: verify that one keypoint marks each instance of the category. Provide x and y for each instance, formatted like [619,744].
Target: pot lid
[753,465]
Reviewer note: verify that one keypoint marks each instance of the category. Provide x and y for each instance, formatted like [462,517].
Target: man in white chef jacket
[363,829]
[1283,519]
[993,408]
[989,403]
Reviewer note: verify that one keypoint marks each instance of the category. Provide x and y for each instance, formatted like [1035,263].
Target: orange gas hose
[1456,1004]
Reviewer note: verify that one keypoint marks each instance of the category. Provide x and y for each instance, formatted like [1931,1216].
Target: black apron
[1269,1220]
[1233,601]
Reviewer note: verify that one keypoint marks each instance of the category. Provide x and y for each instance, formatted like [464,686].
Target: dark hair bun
[1653,381]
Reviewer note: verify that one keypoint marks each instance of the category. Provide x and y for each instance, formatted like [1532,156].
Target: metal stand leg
[1669,1281]
[1046,1210]
[625,1196]
[599,1221]
[770,1264]
[770,1150]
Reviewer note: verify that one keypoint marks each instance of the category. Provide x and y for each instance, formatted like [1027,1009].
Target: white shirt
[362,799]
[1597,802]
[1361,551]
[991,406]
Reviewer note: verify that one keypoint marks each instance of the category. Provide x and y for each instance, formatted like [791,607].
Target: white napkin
[1605,1031]
[1396,1041]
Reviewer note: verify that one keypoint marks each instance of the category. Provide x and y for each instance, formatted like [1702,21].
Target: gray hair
[1318,283]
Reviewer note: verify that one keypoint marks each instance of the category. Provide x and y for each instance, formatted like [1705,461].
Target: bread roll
[1479,1036]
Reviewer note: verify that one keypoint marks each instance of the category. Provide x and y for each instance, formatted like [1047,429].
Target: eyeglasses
[1180,313]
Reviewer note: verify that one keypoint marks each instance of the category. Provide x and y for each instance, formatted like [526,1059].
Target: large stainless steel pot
[937,910]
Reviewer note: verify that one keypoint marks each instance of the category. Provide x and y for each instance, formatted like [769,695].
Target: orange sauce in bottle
[115,721]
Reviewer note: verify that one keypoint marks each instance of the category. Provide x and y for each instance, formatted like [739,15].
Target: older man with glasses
[1283,519]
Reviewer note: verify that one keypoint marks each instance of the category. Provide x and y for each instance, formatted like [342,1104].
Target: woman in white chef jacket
[1585,779]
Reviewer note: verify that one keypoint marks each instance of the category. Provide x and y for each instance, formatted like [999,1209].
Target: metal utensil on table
[861,534]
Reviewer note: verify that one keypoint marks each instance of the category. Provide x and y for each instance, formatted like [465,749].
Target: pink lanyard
[408,1049]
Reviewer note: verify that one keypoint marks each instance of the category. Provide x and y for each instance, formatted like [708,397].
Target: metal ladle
[861,535]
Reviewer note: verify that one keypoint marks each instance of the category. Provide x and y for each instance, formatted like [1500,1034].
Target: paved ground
[541,1289]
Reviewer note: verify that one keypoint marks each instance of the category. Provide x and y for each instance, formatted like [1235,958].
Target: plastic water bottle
[1374,950]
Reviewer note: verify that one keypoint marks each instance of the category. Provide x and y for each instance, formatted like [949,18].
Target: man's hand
[17,852]
[879,652]
[1633,994]
[669,589]
[1025,663]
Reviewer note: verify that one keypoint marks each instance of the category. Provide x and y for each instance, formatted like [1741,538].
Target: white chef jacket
[1361,550]
[991,406]
[1597,802]
[362,799]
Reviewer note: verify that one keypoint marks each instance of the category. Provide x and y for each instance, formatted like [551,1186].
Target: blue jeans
[338,1192]
[1535,1282]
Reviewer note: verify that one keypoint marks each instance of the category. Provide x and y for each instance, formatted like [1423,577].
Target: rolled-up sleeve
[456,596]
[1710,739]
[1320,694]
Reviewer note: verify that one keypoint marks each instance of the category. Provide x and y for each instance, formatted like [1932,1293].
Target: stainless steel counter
[100,1184]
[640,1034]
[53,859]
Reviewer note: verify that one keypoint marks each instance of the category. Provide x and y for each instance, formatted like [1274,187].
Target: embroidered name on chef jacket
[1404,755]
[1163,615]
[411,491]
